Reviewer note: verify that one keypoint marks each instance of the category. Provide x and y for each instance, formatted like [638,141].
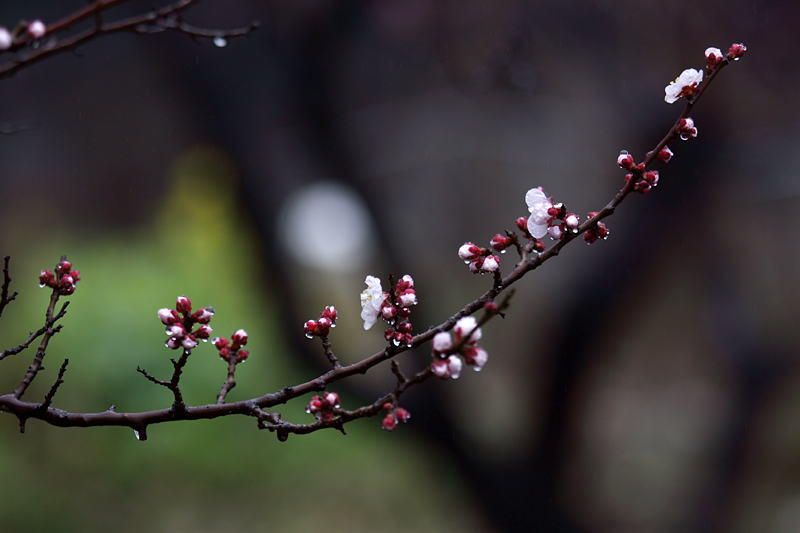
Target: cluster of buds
[63,280]
[446,349]
[35,29]
[394,308]
[598,231]
[181,322]
[481,260]
[232,350]
[394,415]
[736,51]
[324,407]
[648,179]
[322,326]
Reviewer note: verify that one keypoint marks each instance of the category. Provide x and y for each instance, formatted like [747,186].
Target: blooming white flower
[686,83]
[371,301]
[538,205]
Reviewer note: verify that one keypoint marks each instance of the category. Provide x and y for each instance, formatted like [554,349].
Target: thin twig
[48,399]
[35,334]
[5,299]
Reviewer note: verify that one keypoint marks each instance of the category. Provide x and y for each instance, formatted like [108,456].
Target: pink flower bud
[183,305]
[47,278]
[454,365]
[625,160]
[500,243]
[664,155]
[242,356]
[310,328]
[555,232]
[323,327]
[239,338]
[713,57]
[203,316]
[168,316]
[736,51]
[405,327]
[465,326]
[63,267]
[173,343]
[220,342]
[5,39]
[469,251]
[37,29]
[315,405]
[405,283]
[402,415]
[189,342]
[404,312]
[651,177]
[329,313]
[331,399]
[538,245]
[522,224]
[225,354]
[407,298]
[491,263]
[475,265]
[571,221]
[176,330]
[389,334]
[476,357]
[203,332]
[389,312]
[389,423]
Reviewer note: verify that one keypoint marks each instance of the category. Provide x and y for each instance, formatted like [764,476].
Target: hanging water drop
[477,368]
[136,432]
[41,285]
[220,42]
[309,336]
[502,251]
[396,342]
[333,325]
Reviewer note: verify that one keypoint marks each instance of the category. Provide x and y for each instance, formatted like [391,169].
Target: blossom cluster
[322,326]
[232,350]
[481,260]
[63,280]
[323,407]
[35,29]
[464,342]
[395,414]
[393,307]
[181,322]
[548,218]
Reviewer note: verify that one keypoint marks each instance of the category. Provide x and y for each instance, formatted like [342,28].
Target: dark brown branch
[230,382]
[326,345]
[30,375]
[48,399]
[178,405]
[272,421]
[34,335]
[5,299]
[50,44]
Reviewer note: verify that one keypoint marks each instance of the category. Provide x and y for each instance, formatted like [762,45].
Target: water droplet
[309,336]
[205,340]
[396,342]
[138,436]
[220,42]
[41,285]
[308,410]
[502,251]
[467,261]
[333,325]
[478,368]
[408,345]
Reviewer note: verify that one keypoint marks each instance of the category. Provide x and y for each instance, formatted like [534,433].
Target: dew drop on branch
[220,42]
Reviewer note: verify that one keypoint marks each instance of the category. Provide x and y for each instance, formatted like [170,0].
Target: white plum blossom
[686,83]
[371,301]
[442,342]
[538,205]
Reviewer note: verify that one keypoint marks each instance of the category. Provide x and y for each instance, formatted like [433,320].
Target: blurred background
[650,382]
